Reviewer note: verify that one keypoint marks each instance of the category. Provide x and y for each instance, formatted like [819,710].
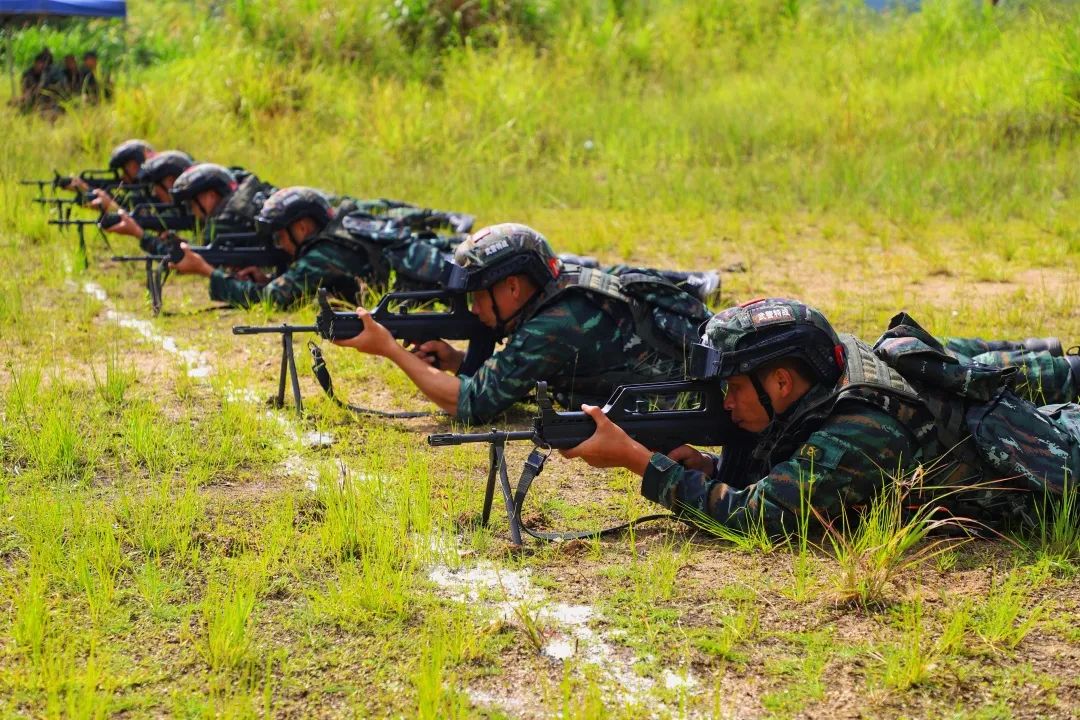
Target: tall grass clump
[1057,532]
[885,541]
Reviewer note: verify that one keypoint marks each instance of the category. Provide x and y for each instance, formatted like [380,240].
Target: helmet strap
[762,396]
[501,325]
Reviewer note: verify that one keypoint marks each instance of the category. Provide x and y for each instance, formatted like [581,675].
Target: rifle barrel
[266,329]
[138,258]
[494,436]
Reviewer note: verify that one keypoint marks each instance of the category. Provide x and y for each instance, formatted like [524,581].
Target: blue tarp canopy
[70,8]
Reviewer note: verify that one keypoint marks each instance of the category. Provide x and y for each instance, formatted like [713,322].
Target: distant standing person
[91,90]
[33,80]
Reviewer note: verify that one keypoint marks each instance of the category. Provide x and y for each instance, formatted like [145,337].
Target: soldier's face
[284,241]
[742,402]
[161,190]
[510,294]
[130,170]
[204,203]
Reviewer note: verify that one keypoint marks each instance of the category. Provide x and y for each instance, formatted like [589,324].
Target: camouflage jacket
[839,458]
[338,269]
[583,345]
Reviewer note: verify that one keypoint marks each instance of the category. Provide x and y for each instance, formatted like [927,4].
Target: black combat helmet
[127,151]
[290,204]
[170,163]
[200,178]
[499,251]
[744,338]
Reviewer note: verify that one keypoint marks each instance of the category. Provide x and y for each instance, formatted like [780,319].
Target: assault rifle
[660,416]
[227,255]
[149,218]
[397,311]
[59,202]
[103,179]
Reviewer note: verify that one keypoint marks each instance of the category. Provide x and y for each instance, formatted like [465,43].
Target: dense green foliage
[683,106]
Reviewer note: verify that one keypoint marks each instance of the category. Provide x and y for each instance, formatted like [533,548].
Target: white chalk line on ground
[504,594]
[479,586]
[199,367]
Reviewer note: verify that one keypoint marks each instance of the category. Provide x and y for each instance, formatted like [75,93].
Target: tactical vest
[241,208]
[667,318]
[866,379]
[360,232]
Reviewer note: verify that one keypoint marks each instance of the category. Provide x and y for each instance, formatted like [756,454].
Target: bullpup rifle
[399,312]
[224,255]
[660,416]
[95,179]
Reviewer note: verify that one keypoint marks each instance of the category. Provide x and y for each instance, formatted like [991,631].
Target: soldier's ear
[785,381]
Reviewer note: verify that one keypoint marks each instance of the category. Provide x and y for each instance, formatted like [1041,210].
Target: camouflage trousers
[1045,378]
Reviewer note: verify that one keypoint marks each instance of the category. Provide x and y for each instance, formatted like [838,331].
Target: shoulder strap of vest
[337,232]
[577,278]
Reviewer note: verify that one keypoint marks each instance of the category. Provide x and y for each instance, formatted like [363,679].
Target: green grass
[169,548]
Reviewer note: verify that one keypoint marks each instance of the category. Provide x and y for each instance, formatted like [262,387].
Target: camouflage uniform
[582,345]
[336,268]
[585,332]
[917,407]
[1044,378]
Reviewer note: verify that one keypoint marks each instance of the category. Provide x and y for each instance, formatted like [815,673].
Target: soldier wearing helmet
[125,161]
[567,325]
[836,419]
[158,174]
[295,217]
[128,157]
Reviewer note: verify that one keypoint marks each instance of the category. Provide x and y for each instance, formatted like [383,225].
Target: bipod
[157,269]
[288,367]
[83,255]
[513,499]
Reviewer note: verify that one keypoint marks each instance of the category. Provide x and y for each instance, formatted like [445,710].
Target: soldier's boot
[1073,358]
[1047,344]
[699,284]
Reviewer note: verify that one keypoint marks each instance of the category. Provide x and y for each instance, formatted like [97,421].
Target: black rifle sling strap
[534,465]
[322,376]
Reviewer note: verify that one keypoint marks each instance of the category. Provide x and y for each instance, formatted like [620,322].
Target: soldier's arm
[234,291]
[842,464]
[536,351]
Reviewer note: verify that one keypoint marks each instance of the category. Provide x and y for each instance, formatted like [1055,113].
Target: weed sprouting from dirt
[887,540]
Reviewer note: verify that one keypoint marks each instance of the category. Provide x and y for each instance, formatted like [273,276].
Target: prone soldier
[836,420]
[583,330]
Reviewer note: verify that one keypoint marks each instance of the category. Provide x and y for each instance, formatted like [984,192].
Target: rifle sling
[534,465]
[322,376]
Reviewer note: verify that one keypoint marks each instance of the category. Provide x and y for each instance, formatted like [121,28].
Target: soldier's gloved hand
[692,459]
[192,263]
[440,354]
[610,446]
[374,340]
[126,226]
[252,273]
